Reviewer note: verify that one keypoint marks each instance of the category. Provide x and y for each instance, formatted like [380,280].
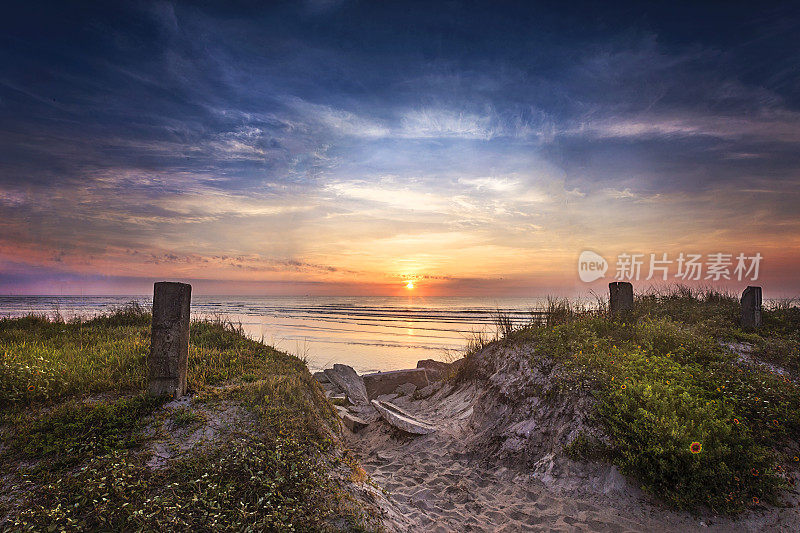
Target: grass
[184,417]
[75,430]
[694,426]
[250,484]
[44,360]
[77,424]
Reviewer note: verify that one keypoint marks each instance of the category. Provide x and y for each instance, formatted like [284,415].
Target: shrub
[653,427]
[664,381]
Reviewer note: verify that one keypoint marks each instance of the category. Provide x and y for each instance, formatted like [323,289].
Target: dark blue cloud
[112,115]
[159,86]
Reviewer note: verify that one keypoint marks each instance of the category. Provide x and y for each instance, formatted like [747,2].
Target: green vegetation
[44,359]
[585,448]
[275,485]
[184,417]
[74,431]
[79,432]
[692,423]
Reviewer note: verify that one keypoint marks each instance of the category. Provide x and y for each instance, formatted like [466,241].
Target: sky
[344,147]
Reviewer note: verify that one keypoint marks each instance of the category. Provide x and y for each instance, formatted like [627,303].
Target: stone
[330,388]
[365,412]
[387,397]
[344,377]
[751,307]
[428,391]
[321,377]
[387,382]
[621,297]
[439,370]
[169,345]
[352,422]
[433,364]
[402,420]
[405,389]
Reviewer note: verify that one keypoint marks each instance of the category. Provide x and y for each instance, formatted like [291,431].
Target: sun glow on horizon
[410,284]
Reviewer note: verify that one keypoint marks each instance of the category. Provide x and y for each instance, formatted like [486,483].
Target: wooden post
[751,307]
[169,343]
[621,297]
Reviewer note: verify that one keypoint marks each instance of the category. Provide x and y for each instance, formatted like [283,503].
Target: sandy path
[436,484]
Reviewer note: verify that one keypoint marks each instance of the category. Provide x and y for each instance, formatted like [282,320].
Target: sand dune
[464,477]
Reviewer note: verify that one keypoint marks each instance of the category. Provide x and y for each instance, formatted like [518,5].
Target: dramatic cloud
[346,146]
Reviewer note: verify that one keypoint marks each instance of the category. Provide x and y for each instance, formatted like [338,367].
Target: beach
[367,333]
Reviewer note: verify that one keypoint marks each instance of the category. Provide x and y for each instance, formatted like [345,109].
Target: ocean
[368,333]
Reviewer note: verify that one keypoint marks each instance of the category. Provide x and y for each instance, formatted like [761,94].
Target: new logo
[591,266]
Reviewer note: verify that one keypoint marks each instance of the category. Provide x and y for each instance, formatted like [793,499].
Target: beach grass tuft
[697,422]
[79,431]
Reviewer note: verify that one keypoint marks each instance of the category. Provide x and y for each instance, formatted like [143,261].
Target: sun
[410,284]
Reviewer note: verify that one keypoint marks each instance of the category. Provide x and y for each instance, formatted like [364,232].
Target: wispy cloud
[334,142]
[772,126]
[338,121]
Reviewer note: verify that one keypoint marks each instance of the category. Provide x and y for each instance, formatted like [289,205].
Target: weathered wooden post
[751,307]
[621,297]
[169,343]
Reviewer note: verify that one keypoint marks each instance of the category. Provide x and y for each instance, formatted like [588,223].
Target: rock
[365,412]
[344,377]
[428,391]
[352,422]
[386,397]
[439,370]
[330,388]
[401,419]
[386,382]
[405,389]
[321,377]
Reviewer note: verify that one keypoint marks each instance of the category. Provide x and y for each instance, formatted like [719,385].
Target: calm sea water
[368,333]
